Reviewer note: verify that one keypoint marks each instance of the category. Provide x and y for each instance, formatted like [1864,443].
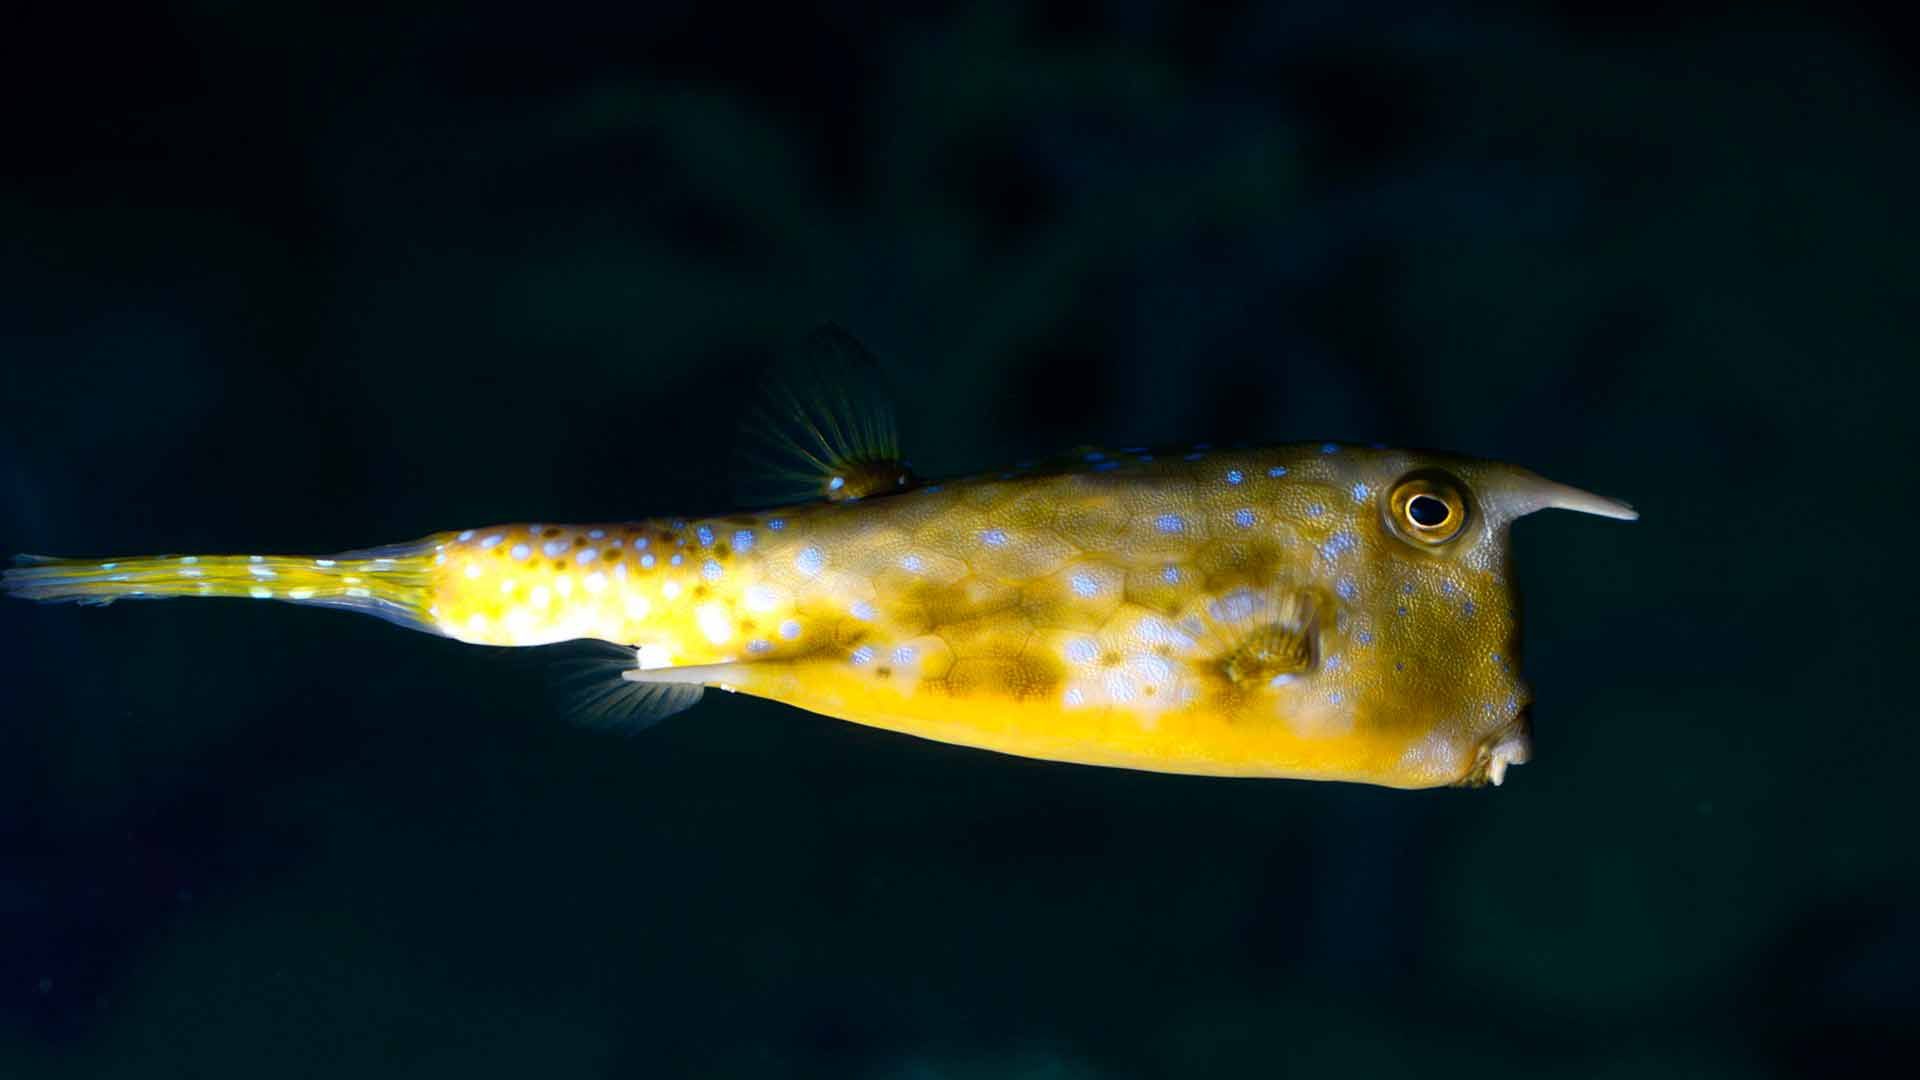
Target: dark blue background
[278,277]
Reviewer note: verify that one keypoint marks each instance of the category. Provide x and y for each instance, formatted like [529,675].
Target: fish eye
[1428,507]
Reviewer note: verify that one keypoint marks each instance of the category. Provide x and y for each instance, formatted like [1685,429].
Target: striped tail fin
[391,582]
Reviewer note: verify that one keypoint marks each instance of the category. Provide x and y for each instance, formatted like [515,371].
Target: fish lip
[1509,746]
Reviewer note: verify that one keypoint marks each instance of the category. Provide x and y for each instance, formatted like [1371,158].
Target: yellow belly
[979,705]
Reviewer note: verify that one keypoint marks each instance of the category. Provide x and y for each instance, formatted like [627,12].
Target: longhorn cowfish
[1317,611]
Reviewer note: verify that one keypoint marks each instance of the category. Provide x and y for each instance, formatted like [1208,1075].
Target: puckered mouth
[1511,745]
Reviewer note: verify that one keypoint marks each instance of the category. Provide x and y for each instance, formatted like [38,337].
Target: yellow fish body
[1316,611]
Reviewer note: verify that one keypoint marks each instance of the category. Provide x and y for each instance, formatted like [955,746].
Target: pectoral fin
[1280,642]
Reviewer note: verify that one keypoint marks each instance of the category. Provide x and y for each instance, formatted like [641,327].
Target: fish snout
[1511,745]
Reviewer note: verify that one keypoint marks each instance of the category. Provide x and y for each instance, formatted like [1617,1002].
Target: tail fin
[391,582]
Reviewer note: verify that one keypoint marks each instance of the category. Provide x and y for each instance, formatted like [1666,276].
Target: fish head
[1417,627]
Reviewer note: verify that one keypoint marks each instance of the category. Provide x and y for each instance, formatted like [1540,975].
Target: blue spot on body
[1446,587]
[1235,476]
[743,540]
[790,629]
[1106,466]
[1084,584]
[1096,456]
[1196,455]
[711,570]
[1360,493]
[836,483]
[1316,509]
[862,654]
[1243,517]
[646,562]
[777,524]
[810,561]
[1170,523]
[705,534]
[1468,609]
[911,563]
[1364,637]
[1277,470]
[1170,574]
[903,655]
[1337,545]
[1335,698]
[677,559]
[863,611]
[931,488]
[1329,448]
[994,538]
[1347,589]
[1082,651]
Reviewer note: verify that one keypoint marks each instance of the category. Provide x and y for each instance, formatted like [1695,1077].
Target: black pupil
[1427,511]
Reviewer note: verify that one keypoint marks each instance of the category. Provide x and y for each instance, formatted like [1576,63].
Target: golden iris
[1428,507]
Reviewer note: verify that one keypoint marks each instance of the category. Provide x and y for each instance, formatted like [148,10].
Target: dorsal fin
[824,427]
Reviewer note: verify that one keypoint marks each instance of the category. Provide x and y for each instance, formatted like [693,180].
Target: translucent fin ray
[596,695]
[824,427]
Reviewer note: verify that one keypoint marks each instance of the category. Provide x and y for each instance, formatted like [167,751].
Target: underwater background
[289,278]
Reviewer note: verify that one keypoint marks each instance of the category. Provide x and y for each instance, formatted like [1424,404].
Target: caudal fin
[391,582]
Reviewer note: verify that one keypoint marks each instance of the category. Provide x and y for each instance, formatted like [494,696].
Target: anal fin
[599,696]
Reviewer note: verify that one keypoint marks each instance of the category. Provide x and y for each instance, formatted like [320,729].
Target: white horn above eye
[1521,493]
[1562,497]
